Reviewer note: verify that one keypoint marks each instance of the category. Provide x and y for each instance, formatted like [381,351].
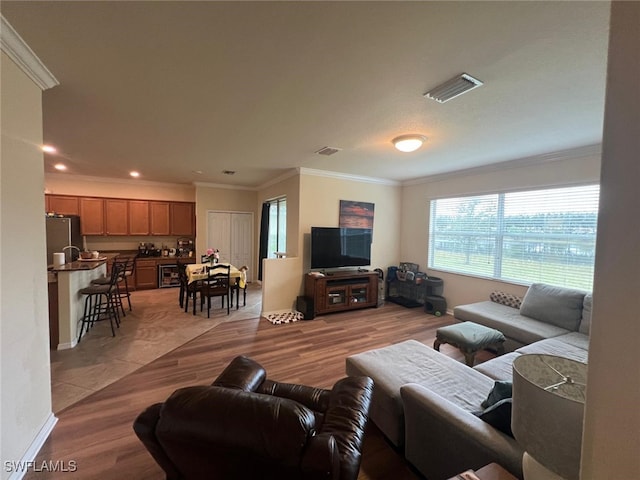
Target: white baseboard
[34,448]
[67,345]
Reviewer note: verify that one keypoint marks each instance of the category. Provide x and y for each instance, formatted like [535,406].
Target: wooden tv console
[339,291]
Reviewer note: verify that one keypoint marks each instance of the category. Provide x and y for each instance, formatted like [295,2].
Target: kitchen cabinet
[160,218]
[116,217]
[139,217]
[146,274]
[183,219]
[62,204]
[91,216]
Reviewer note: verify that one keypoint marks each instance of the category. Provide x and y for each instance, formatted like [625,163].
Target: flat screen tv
[334,247]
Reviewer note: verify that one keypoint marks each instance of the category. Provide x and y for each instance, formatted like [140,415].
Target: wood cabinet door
[116,216]
[160,219]
[91,216]
[182,219]
[146,274]
[63,204]
[138,217]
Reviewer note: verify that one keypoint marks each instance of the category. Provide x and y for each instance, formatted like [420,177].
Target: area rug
[284,316]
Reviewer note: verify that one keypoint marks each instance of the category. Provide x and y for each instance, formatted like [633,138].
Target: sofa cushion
[558,306]
[499,368]
[508,320]
[557,346]
[413,362]
[585,323]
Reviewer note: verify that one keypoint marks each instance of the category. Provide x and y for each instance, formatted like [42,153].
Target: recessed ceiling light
[60,166]
[408,143]
[49,149]
[134,174]
[197,172]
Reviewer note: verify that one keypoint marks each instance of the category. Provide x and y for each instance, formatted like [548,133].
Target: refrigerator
[63,231]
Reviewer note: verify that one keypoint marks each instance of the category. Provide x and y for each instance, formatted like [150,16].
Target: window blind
[525,237]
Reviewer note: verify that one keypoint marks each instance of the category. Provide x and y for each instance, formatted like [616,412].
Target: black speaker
[305,306]
[435,305]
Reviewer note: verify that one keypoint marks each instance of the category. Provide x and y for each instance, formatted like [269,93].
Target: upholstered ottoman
[470,337]
[414,362]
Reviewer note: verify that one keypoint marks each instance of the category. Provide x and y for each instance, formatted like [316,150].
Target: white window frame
[508,248]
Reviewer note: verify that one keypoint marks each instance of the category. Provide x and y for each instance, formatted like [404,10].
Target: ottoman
[470,337]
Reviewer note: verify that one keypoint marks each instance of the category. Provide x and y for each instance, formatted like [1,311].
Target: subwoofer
[305,306]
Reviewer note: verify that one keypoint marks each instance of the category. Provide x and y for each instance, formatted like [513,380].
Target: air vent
[453,88]
[229,172]
[327,151]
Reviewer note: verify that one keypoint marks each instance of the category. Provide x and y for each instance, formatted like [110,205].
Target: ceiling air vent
[327,151]
[453,88]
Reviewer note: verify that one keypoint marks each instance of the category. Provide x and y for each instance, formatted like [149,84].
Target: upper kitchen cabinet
[91,216]
[160,218]
[62,204]
[139,217]
[183,219]
[116,216]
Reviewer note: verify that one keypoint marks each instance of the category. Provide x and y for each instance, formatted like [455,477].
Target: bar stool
[102,300]
[122,279]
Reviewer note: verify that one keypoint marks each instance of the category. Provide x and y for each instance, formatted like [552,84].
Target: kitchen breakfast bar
[66,303]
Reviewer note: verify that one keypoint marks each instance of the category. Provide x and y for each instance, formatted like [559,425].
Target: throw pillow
[508,299]
[585,323]
[559,306]
[498,416]
[501,390]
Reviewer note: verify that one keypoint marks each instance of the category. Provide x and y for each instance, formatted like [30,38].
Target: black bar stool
[102,302]
[122,287]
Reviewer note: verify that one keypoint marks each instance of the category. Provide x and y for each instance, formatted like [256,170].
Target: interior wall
[611,440]
[288,187]
[25,396]
[68,184]
[560,169]
[320,207]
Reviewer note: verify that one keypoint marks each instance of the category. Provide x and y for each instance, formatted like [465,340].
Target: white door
[242,240]
[219,234]
[232,234]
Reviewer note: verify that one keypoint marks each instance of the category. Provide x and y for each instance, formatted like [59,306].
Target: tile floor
[155,326]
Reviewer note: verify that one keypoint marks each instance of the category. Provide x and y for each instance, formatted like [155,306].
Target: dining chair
[187,290]
[217,284]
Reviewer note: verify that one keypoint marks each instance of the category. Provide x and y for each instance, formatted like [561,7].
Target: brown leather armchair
[246,426]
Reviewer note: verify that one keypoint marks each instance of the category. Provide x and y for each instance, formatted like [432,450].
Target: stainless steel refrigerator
[63,231]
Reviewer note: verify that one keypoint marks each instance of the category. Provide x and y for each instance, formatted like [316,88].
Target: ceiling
[171,88]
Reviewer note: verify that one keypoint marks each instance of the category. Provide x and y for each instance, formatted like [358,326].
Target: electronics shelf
[341,291]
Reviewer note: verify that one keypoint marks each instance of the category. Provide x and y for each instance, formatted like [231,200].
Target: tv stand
[340,291]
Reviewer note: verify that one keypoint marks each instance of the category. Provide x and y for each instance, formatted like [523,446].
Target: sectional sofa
[430,405]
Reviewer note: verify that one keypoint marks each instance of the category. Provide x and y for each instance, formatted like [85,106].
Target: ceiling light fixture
[60,166]
[49,149]
[409,143]
[134,174]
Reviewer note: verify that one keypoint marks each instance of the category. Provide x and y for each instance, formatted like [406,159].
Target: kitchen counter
[83,264]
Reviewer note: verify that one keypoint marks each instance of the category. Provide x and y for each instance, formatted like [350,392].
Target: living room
[401,231]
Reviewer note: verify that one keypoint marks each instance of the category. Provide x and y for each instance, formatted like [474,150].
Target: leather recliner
[247,426]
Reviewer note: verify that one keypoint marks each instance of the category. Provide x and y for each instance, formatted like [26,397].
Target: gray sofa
[427,403]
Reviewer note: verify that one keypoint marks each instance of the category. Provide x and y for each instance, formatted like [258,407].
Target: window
[544,236]
[277,226]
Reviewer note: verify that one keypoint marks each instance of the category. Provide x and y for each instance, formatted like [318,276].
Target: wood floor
[96,432]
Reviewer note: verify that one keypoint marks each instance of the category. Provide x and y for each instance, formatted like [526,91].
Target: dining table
[237,278]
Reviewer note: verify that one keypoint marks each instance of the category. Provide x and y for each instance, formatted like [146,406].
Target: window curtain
[264,236]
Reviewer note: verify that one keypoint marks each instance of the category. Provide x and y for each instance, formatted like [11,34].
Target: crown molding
[288,174]
[570,154]
[345,176]
[17,49]
[223,185]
